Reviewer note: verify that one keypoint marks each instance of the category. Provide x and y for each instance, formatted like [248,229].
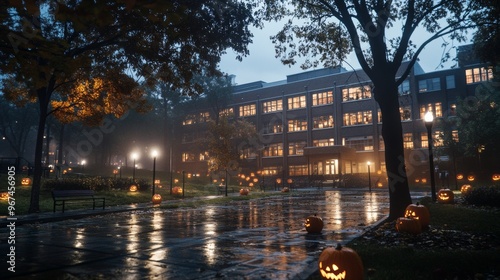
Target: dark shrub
[483,196]
[94,183]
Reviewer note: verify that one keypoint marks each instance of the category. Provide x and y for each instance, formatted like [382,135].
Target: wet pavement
[256,239]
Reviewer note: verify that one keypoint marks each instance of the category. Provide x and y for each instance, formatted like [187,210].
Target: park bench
[61,197]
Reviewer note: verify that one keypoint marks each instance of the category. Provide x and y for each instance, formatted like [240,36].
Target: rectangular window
[297,170]
[248,153]
[357,118]
[188,157]
[454,135]
[476,75]
[272,106]
[429,85]
[322,122]
[356,93]
[297,125]
[272,127]
[204,117]
[270,170]
[226,112]
[424,140]
[189,119]
[408,140]
[359,143]
[435,108]
[381,143]
[204,156]
[404,88]
[450,81]
[273,150]
[322,98]
[323,142]
[405,113]
[297,102]
[437,139]
[247,110]
[296,148]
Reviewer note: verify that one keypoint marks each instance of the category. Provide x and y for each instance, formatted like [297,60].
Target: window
[247,110]
[404,88]
[297,102]
[450,81]
[437,139]
[297,170]
[270,170]
[272,106]
[356,93]
[359,143]
[405,113]
[381,143]
[188,157]
[272,127]
[357,118]
[273,150]
[322,122]
[379,115]
[322,98]
[435,108]
[204,117]
[453,110]
[408,140]
[247,153]
[429,85]
[323,142]
[476,75]
[189,119]
[226,112]
[454,135]
[204,156]
[424,140]
[296,148]
[297,125]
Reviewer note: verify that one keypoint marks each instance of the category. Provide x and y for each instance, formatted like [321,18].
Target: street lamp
[83,165]
[154,154]
[428,119]
[134,157]
[369,177]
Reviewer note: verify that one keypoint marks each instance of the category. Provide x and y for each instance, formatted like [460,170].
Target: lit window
[188,157]
[454,135]
[476,75]
[297,102]
[356,93]
[247,153]
[270,170]
[405,113]
[297,125]
[226,112]
[297,170]
[359,143]
[247,110]
[322,122]
[424,140]
[272,127]
[322,98]
[436,109]
[204,117]
[189,119]
[408,140]
[357,118]
[296,148]
[272,106]
[323,142]
[273,150]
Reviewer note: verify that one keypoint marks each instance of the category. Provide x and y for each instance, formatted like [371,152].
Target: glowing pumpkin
[156,199]
[465,189]
[408,225]
[244,191]
[285,189]
[314,224]
[4,196]
[176,190]
[132,188]
[445,196]
[460,176]
[418,212]
[471,178]
[340,263]
[495,177]
[26,181]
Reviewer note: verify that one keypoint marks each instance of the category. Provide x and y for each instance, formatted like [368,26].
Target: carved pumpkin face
[340,263]
[465,189]
[156,199]
[418,212]
[408,225]
[176,190]
[314,224]
[244,191]
[26,181]
[471,178]
[495,177]
[460,176]
[4,196]
[132,188]
[445,196]
[285,189]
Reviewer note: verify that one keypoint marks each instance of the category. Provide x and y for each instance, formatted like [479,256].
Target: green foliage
[483,196]
[95,183]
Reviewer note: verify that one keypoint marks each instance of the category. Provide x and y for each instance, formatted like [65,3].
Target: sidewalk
[256,239]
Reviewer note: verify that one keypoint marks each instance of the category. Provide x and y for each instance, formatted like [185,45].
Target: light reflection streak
[209,228]
[371,208]
[79,238]
[334,210]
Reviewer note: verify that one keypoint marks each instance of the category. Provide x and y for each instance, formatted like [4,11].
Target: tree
[487,37]
[326,31]
[46,46]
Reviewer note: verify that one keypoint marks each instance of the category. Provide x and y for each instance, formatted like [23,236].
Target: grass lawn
[456,260]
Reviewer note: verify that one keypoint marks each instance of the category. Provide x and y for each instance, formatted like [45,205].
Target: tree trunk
[386,95]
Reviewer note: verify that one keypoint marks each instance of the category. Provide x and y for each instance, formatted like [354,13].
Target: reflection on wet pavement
[256,239]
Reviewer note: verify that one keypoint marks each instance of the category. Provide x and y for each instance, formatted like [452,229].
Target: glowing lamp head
[428,117]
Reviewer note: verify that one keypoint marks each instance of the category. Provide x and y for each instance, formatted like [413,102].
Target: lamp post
[183,172]
[83,165]
[369,177]
[134,157]
[428,119]
[154,154]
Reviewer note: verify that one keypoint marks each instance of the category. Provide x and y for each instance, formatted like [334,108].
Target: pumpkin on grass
[244,191]
[445,196]
[408,225]
[340,263]
[314,224]
[419,212]
[156,199]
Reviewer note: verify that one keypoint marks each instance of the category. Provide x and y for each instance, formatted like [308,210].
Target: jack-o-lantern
[460,176]
[176,190]
[471,178]
[156,199]
[465,189]
[340,263]
[408,225]
[495,177]
[314,224]
[244,191]
[445,196]
[26,181]
[285,189]
[419,212]
[4,195]
[133,188]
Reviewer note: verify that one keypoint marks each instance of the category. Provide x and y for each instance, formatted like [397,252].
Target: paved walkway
[256,239]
